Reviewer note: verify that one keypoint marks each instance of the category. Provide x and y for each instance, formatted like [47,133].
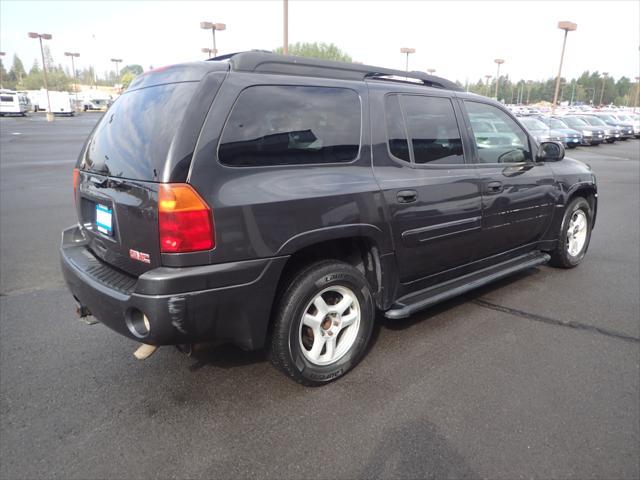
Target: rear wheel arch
[362,252]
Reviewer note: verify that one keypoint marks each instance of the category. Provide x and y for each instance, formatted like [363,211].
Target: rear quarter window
[292,125]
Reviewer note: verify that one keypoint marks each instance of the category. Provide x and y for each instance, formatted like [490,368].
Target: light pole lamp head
[431,71]
[499,61]
[219,26]
[71,54]
[116,60]
[488,76]
[567,26]
[44,36]
[206,25]
[407,50]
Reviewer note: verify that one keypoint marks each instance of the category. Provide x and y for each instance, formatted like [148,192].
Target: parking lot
[537,376]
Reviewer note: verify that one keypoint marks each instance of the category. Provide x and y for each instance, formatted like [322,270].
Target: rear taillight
[76,179]
[184,219]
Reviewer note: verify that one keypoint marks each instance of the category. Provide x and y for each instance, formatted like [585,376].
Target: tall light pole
[488,77]
[44,36]
[117,61]
[2,54]
[73,67]
[285,27]
[635,100]
[209,51]
[407,51]
[573,91]
[499,61]
[604,80]
[529,83]
[567,27]
[213,27]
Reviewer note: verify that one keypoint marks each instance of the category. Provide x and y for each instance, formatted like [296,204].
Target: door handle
[494,187]
[407,196]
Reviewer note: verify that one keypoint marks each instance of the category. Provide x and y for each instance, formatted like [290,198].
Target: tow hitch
[85,315]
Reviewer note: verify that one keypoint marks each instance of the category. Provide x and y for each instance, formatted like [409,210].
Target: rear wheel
[323,323]
[575,234]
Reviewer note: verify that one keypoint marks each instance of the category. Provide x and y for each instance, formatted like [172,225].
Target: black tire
[560,257]
[285,349]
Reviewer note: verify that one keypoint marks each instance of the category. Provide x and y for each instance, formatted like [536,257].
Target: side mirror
[550,152]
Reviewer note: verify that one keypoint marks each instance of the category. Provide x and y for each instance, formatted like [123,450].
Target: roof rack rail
[268,62]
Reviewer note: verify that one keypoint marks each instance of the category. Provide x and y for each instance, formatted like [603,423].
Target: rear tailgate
[120,220]
[119,170]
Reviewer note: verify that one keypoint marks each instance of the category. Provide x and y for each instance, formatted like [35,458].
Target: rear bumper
[228,302]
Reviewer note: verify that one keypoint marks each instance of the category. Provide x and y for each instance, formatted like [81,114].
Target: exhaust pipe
[144,351]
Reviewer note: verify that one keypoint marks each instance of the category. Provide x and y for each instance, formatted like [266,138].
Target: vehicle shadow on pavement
[223,356]
[416,449]
[229,356]
[436,310]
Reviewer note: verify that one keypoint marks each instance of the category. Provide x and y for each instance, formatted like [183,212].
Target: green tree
[17,70]
[134,69]
[126,79]
[325,51]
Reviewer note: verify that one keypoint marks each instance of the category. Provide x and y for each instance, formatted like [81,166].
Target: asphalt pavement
[537,376]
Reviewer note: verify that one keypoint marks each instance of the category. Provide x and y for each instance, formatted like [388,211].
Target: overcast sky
[459,39]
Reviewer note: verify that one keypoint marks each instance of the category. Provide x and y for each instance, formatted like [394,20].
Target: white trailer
[61,102]
[13,103]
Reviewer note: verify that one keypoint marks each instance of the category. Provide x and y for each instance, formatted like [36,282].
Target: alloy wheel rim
[329,325]
[576,233]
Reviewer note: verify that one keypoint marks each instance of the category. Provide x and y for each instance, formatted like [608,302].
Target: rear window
[133,137]
[291,125]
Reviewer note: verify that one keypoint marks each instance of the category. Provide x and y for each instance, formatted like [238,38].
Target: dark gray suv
[279,202]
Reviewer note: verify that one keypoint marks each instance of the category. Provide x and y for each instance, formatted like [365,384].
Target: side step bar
[409,304]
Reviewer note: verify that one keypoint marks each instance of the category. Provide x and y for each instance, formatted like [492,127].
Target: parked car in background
[626,129]
[590,135]
[573,137]
[541,131]
[13,103]
[633,119]
[611,133]
[279,202]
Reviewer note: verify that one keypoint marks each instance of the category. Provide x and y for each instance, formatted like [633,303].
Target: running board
[409,304]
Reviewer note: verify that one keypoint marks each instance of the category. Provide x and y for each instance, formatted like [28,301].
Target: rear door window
[292,125]
[133,137]
[423,130]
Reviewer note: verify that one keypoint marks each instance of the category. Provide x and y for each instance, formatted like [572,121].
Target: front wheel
[323,323]
[575,234]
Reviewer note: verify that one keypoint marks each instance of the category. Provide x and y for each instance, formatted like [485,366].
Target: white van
[13,103]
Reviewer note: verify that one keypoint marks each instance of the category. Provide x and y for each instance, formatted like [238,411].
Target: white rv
[13,103]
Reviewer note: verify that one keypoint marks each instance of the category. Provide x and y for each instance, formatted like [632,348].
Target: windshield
[555,123]
[533,124]
[595,121]
[575,122]
[608,118]
[133,137]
